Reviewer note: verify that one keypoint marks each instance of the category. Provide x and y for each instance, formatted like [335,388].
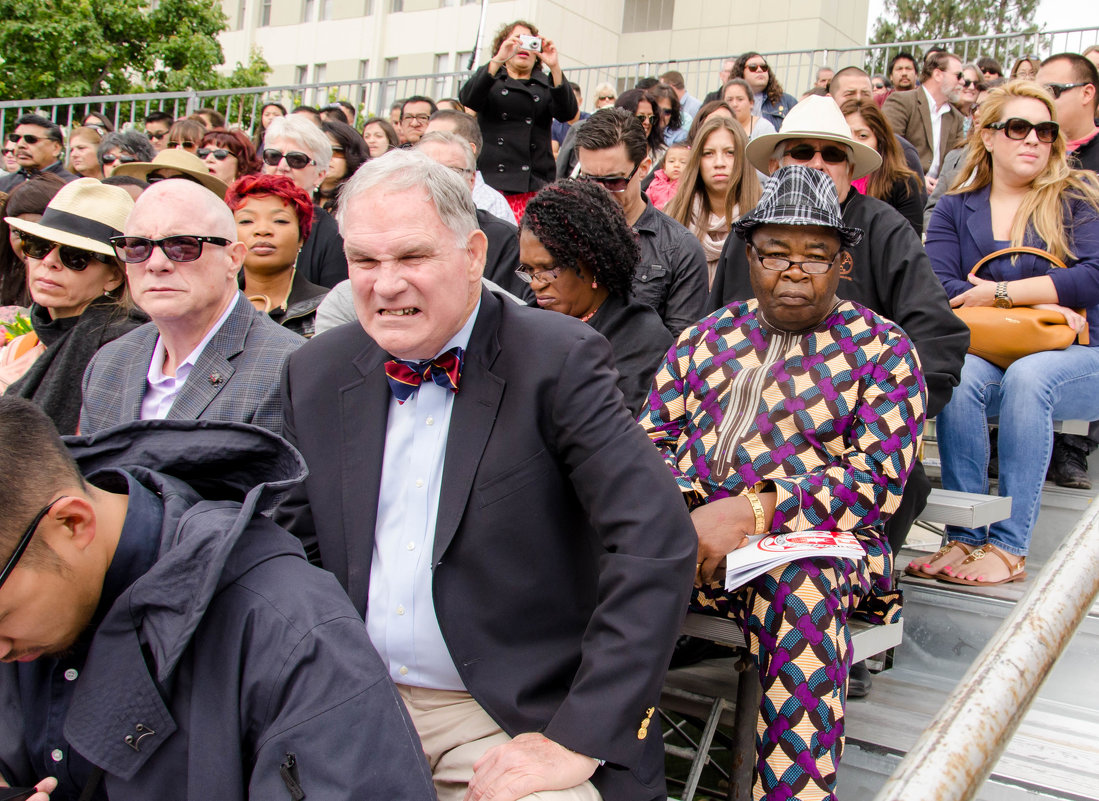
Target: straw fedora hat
[179,160]
[815,117]
[798,195]
[83,214]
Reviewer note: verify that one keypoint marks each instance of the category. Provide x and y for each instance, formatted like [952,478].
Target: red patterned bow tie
[405,377]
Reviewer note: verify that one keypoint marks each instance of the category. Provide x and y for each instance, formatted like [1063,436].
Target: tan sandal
[956,551]
[1016,571]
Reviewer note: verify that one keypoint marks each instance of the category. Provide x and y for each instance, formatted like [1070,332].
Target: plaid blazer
[236,377]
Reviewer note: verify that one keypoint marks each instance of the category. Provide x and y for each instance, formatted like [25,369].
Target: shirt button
[57,755]
[403,671]
[419,482]
[430,421]
[400,610]
[537,98]
[411,546]
[504,116]
[503,91]
[526,168]
[529,120]
[71,674]
[500,141]
[500,168]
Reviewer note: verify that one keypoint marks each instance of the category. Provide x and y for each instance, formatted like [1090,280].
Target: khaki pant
[455,731]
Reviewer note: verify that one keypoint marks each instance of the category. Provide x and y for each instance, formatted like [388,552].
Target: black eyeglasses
[1058,89]
[111,158]
[7,151]
[879,86]
[25,540]
[780,264]
[76,259]
[830,154]
[1018,128]
[643,118]
[529,275]
[296,160]
[30,139]
[966,83]
[615,183]
[184,145]
[181,248]
[220,153]
[421,118]
[154,135]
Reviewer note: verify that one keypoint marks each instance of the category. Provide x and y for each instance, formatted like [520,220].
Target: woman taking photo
[516,103]
[578,254]
[79,292]
[717,186]
[738,95]
[892,182]
[380,137]
[83,161]
[348,154]
[228,155]
[273,217]
[1021,192]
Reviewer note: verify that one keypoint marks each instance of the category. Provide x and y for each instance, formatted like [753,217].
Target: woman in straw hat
[78,290]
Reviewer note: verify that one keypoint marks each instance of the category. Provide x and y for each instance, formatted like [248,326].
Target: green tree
[69,48]
[908,20]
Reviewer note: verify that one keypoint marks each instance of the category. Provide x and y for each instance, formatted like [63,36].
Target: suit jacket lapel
[364,413]
[979,223]
[925,116]
[213,368]
[137,369]
[471,422]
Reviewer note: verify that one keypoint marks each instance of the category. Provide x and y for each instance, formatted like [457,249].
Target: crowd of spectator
[754,300]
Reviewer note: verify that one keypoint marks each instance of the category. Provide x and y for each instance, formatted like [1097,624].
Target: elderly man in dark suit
[517,547]
[925,116]
[207,354]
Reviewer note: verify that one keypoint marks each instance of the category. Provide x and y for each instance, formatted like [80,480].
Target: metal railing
[796,70]
[955,755]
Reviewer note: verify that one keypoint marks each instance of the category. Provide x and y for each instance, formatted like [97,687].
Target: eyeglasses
[220,153]
[1058,89]
[111,158]
[830,154]
[415,118]
[756,67]
[665,112]
[25,540]
[76,259]
[1018,128]
[879,86]
[643,118]
[7,151]
[959,76]
[296,160]
[184,145]
[604,97]
[30,139]
[337,150]
[154,135]
[966,83]
[181,248]
[780,264]
[529,275]
[462,170]
[614,184]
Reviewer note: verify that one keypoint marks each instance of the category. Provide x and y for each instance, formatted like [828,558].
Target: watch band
[1003,300]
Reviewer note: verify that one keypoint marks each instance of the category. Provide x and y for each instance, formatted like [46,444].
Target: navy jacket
[232,652]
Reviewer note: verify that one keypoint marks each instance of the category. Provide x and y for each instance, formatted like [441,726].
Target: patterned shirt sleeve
[664,417]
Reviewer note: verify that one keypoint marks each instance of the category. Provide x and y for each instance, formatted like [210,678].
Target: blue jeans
[1027,398]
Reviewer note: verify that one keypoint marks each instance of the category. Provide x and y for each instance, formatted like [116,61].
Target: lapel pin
[215,378]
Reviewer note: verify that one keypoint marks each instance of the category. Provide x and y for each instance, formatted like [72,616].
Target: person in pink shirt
[666,179]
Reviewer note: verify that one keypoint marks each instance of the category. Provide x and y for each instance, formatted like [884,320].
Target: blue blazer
[960,234]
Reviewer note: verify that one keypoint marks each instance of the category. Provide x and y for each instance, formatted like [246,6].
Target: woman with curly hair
[770,101]
[892,182]
[717,186]
[229,155]
[578,253]
[349,152]
[675,120]
[274,216]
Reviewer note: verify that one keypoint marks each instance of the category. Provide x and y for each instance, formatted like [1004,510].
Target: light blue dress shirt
[400,611]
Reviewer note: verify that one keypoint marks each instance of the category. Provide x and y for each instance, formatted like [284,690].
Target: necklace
[590,314]
[267,305]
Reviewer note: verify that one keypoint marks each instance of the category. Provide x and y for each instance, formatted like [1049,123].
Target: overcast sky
[1053,15]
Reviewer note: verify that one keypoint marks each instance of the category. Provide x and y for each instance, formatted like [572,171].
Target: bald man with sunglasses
[208,353]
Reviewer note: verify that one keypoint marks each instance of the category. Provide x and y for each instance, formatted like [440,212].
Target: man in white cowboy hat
[208,353]
[174,163]
[888,271]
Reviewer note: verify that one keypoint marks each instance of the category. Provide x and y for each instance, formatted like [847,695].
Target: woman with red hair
[228,155]
[274,216]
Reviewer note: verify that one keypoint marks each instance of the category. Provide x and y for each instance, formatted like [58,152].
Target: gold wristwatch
[1001,301]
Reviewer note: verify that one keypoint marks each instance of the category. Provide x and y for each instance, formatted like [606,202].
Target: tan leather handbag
[1002,336]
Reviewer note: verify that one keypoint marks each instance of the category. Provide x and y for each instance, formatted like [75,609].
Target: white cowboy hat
[179,160]
[815,117]
[83,214]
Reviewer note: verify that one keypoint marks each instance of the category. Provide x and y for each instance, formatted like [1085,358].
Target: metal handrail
[955,755]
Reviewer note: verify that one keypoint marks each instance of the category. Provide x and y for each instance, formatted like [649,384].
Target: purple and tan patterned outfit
[830,419]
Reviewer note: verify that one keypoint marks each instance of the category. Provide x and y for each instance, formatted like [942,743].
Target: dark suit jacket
[563,552]
[910,116]
[236,378]
[502,259]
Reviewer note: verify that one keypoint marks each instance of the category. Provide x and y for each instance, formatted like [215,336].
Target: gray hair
[303,133]
[130,142]
[401,170]
[454,140]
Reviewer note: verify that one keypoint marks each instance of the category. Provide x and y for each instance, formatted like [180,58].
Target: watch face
[1002,303]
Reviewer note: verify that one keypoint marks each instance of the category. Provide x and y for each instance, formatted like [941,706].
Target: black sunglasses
[25,540]
[154,135]
[296,160]
[220,153]
[831,154]
[76,259]
[181,248]
[1018,128]
[184,145]
[1058,89]
[111,158]
[30,139]
[643,118]
[614,184]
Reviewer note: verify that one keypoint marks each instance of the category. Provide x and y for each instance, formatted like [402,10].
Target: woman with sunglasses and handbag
[1015,189]
[78,290]
[228,155]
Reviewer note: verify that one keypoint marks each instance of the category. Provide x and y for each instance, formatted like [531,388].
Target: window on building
[301,74]
[309,11]
[647,15]
[242,10]
[368,8]
[461,61]
[396,6]
[442,66]
[265,12]
[320,73]
[326,9]
[364,69]
[447,3]
[389,94]
[469,2]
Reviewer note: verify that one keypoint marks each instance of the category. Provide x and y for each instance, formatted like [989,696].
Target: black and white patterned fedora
[797,195]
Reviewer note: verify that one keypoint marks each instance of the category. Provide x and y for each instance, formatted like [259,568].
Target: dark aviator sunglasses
[76,259]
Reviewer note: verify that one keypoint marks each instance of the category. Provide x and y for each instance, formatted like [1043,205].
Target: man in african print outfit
[793,411]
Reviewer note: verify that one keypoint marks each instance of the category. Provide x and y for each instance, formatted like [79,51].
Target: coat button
[503,91]
[504,116]
[71,674]
[529,120]
[57,755]
[500,141]
[500,168]
[536,98]
[526,167]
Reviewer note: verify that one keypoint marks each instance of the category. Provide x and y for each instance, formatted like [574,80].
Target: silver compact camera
[531,43]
